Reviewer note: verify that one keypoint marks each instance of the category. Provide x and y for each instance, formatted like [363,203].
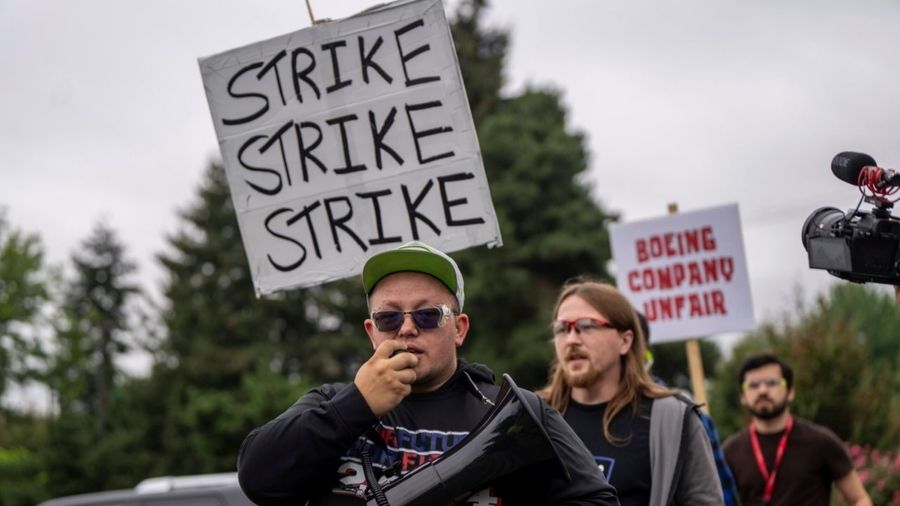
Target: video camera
[859,246]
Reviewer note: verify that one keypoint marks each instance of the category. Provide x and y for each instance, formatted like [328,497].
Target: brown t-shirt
[814,458]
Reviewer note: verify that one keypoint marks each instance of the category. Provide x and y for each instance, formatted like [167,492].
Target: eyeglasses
[426,318]
[769,382]
[562,328]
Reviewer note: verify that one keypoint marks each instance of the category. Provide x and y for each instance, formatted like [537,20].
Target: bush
[879,472]
[22,482]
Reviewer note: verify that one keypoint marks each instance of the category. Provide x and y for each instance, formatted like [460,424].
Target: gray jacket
[683,474]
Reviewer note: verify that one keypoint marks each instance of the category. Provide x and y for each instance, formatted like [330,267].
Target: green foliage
[23,476]
[94,329]
[85,449]
[66,456]
[226,416]
[844,353]
[76,461]
[220,339]
[23,296]
[22,479]
[216,327]
[23,291]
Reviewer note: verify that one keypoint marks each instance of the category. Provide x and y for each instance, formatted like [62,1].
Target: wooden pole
[695,359]
[695,364]
[312,19]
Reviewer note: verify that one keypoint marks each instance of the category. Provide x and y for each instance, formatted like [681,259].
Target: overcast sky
[701,103]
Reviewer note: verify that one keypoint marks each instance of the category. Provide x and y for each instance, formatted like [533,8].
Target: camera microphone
[859,246]
[848,166]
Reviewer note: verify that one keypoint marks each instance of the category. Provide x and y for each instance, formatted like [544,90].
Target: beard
[582,379]
[768,412]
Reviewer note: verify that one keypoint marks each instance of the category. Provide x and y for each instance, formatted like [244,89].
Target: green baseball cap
[414,256]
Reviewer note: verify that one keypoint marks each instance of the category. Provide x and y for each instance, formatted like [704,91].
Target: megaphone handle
[369,472]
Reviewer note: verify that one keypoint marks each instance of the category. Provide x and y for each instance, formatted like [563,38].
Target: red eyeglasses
[562,328]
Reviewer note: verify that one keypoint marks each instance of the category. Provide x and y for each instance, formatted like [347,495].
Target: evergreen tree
[92,334]
[96,308]
[23,291]
[217,328]
[219,335]
[481,53]
[24,294]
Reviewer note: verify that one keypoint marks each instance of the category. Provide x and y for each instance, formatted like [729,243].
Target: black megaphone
[508,438]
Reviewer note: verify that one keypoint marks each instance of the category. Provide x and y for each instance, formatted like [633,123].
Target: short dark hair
[763,359]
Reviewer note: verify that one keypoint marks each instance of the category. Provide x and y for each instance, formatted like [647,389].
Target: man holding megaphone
[418,425]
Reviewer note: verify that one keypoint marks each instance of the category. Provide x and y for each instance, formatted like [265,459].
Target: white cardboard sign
[347,138]
[686,272]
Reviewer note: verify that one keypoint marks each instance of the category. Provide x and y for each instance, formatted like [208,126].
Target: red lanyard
[761,461]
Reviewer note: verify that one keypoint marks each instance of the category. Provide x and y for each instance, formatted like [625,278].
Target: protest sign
[346,138]
[686,272]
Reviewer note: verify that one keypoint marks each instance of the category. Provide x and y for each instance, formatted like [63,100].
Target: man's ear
[369,325]
[743,399]
[627,341]
[461,328]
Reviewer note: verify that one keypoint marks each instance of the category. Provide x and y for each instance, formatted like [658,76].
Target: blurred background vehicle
[219,489]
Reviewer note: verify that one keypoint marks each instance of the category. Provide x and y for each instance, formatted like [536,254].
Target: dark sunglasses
[562,328]
[426,318]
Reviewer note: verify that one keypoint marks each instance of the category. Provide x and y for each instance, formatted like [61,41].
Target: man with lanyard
[780,459]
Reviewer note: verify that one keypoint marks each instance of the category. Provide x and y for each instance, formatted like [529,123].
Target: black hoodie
[313,451]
